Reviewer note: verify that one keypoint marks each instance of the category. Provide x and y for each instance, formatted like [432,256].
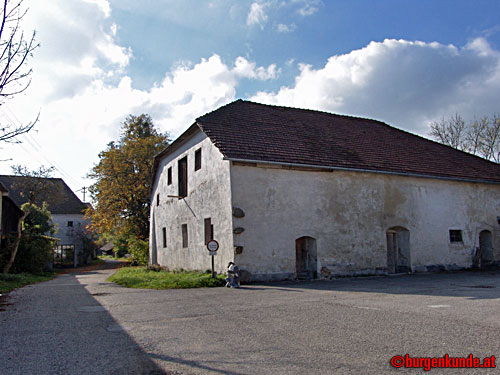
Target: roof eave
[334,168]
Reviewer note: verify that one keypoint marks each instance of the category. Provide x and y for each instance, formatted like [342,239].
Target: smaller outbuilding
[65,207]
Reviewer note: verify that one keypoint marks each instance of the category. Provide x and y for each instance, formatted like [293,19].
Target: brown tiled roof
[257,132]
[59,197]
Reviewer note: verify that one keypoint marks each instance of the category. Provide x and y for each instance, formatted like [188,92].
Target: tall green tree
[123,179]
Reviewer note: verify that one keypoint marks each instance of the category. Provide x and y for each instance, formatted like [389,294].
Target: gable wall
[348,213]
[209,196]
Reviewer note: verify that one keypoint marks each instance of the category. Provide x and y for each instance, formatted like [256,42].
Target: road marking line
[438,306]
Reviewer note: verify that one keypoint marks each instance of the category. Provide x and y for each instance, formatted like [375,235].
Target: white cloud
[307,7]
[282,28]
[79,117]
[404,83]
[247,69]
[257,14]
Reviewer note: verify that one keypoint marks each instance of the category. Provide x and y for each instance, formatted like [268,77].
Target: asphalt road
[81,324]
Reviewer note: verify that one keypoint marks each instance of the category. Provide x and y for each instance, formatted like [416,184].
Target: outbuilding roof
[59,197]
[248,131]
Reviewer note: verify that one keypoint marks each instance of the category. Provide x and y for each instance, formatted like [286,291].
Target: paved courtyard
[81,324]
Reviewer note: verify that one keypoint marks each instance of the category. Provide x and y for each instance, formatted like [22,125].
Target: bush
[88,247]
[139,249]
[35,251]
[120,244]
[34,255]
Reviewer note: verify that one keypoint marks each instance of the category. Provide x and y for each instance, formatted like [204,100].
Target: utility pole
[84,190]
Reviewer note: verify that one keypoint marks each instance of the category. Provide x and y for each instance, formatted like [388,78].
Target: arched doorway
[485,247]
[398,250]
[306,258]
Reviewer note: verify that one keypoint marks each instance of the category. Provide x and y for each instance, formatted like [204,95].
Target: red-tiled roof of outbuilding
[244,130]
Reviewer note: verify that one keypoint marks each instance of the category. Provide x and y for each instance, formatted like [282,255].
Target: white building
[299,193]
[65,207]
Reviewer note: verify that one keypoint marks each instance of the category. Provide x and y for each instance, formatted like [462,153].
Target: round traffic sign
[212,245]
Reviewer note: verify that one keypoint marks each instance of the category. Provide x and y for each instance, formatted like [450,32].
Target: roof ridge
[378,122]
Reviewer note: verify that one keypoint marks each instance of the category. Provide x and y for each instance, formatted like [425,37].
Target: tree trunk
[16,244]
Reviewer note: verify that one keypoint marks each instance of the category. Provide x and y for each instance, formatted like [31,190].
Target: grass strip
[140,277]
[9,281]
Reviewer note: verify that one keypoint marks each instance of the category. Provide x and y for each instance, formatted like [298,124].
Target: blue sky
[405,62]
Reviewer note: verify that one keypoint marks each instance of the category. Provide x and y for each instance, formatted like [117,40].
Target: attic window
[197,159]
[183,178]
[169,176]
[455,235]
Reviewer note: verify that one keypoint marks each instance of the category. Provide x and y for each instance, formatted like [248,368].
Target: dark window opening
[455,235]
[164,237]
[70,223]
[169,176]
[157,199]
[197,159]
[183,177]
[184,235]
[209,230]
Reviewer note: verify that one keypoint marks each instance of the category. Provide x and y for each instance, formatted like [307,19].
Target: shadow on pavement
[58,327]
[472,285]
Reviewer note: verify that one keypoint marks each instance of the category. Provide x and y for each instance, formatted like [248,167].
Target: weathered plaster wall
[209,196]
[348,213]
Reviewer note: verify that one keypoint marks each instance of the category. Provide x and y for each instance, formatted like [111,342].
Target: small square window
[455,235]
[169,176]
[197,159]
[70,224]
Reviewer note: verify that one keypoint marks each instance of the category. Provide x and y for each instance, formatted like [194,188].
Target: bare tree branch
[15,50]
[481,138]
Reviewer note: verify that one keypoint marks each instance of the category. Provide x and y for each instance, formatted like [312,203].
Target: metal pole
[213,272]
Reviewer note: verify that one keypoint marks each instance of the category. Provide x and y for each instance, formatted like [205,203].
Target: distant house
[107,249]
[293,193]
[66,208]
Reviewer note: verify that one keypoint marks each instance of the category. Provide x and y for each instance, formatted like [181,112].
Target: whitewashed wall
[67,234]
[348,214]
[209,196]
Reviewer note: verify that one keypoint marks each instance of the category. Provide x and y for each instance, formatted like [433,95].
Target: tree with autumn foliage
[121,193]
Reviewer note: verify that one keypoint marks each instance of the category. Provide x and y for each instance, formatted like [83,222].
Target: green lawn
[17,280]
[140,277]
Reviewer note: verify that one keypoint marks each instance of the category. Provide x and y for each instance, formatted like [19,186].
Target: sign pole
[212,247]
[213,271]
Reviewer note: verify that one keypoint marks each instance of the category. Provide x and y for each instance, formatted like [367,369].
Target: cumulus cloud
[407,84]
[307,7]
[73,54]
[257,14]
[282,28]
[79,124]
